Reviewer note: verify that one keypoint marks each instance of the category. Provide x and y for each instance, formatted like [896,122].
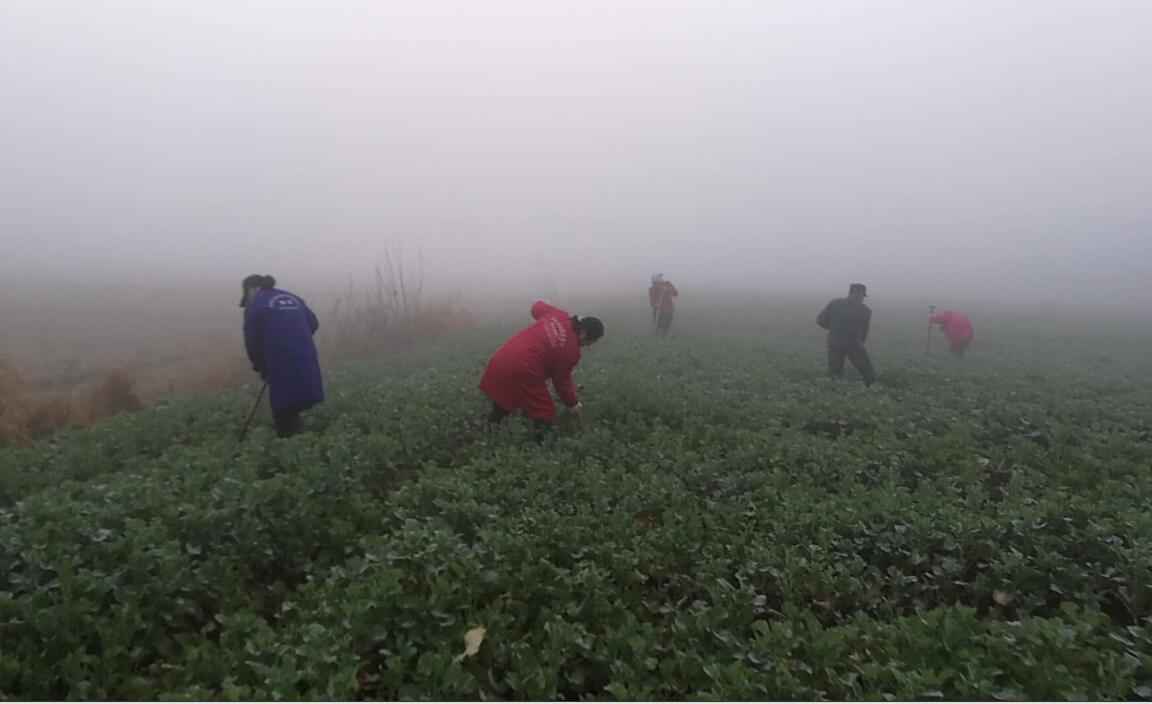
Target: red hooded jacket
[956,326]
[516,376]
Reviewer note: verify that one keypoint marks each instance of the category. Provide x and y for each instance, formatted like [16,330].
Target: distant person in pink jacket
[957,328]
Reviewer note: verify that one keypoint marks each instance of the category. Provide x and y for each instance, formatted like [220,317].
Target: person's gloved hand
[578,406]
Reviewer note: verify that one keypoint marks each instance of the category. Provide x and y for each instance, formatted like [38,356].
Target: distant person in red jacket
[660,295]
[516,377]
[957,328]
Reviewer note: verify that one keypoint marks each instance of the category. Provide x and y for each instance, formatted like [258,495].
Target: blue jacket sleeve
[313,322]
[253,344]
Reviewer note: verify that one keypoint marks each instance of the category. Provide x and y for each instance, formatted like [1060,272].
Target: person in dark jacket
[278,330]
[847,321]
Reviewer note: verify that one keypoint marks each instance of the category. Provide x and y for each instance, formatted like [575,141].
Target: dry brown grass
[127,368]
[44,412]
[11,404]
[357,331]
[27,414]
[194,377]
[109,393]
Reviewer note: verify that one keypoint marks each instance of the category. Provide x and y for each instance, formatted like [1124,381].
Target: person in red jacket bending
[516,377]
[957,328]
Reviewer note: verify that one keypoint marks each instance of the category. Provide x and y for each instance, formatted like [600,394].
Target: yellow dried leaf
[472,640]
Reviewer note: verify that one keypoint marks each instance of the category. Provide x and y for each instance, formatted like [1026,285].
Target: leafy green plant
[720,522]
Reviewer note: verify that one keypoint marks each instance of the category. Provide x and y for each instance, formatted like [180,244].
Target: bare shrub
[389,314]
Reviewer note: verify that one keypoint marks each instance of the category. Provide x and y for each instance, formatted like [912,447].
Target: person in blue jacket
[278,330]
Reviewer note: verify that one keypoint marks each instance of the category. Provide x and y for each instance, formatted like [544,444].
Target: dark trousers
[854,353]
[664,321]
[287,423]
[499,413]
[958,351]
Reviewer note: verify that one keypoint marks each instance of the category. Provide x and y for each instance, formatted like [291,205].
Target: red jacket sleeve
[565,387]
[562,378]
[672,290]
[939,319]
[541,309]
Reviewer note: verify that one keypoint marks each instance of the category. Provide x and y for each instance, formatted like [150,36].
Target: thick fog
[953,148]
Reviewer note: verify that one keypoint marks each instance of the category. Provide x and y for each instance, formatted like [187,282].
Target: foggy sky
[951,148]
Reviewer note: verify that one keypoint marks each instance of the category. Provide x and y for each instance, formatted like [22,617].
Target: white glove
[578,406]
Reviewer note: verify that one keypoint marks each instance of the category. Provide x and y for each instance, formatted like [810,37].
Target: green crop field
[721,521]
